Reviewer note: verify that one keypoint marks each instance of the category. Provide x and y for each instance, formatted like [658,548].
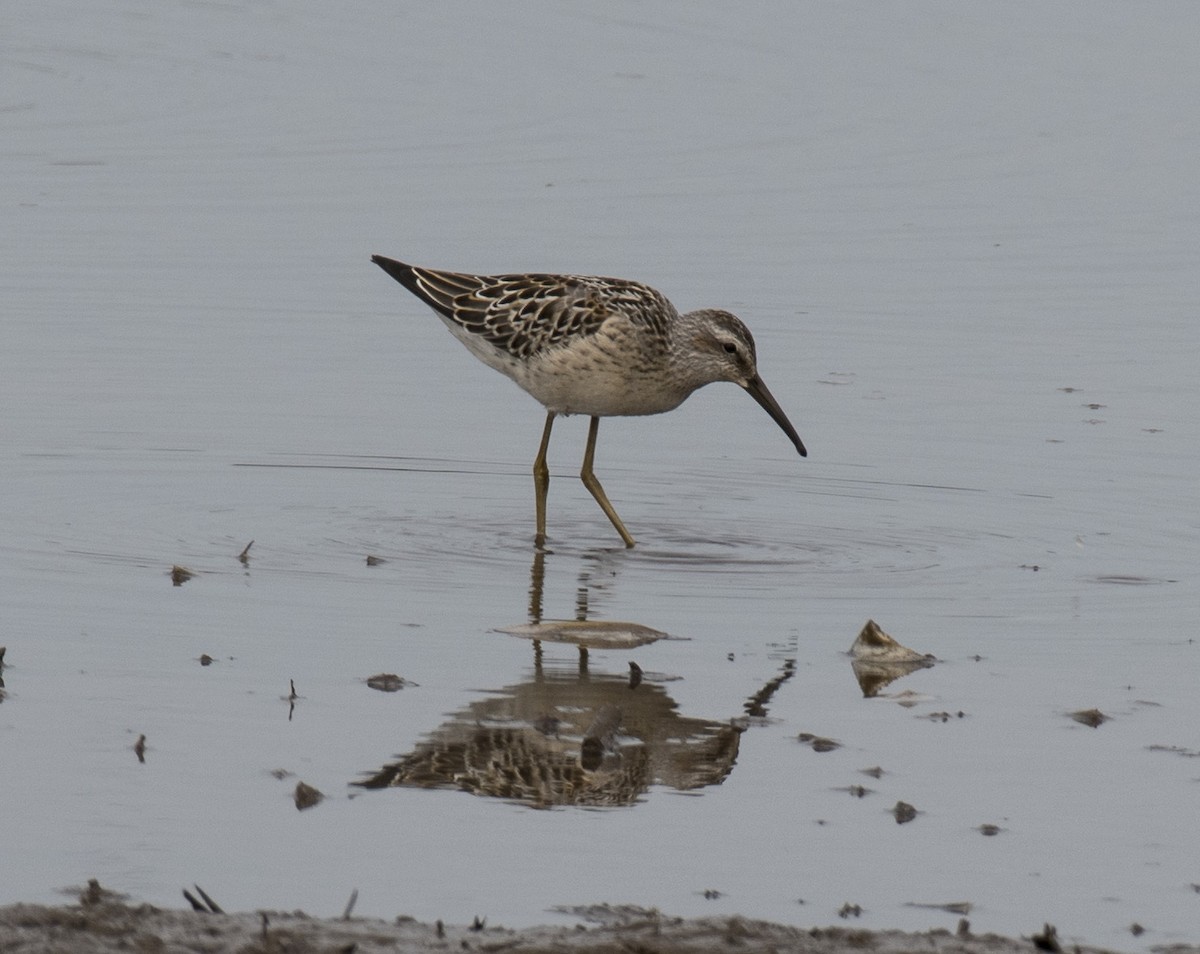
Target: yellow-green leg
[541,483]
[592,484]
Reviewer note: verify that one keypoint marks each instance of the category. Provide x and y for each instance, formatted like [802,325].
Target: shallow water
[965,243]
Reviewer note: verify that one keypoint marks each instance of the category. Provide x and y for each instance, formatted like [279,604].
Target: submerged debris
[1174,749]
[950,907]
[388,682]
[1090,717]
[591,634]
[877,659]
[903,812]
[818,743]
[874,644]
[306,796]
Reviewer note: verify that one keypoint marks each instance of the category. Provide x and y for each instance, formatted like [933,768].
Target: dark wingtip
[399,271]
[391,266]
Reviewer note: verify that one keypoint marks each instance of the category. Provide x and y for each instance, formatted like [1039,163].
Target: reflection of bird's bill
[759,392]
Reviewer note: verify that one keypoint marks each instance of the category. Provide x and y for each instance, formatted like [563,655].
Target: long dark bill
[757,390]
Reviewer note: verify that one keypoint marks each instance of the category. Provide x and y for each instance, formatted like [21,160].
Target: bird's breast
[596,378]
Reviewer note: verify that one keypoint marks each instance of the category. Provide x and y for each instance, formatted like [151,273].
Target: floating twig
[1047,940]
[212,905]
[208,906]
[93,894]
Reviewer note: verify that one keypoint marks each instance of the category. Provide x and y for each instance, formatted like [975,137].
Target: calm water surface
[965,243]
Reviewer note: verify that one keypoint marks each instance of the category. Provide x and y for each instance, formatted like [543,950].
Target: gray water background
[965,237]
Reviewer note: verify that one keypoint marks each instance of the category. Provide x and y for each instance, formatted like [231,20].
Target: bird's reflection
[585,634]
[598,571]
[569,735]
[568,738]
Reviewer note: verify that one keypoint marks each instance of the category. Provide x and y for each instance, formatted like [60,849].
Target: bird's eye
[730,347]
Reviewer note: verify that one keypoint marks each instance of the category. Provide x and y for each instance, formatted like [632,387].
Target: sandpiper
[587,345]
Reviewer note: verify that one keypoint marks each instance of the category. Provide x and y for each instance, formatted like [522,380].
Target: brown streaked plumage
[588,345]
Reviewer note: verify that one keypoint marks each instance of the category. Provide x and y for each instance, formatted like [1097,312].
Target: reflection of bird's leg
[581,599]
[593,485]
[541,482]
[537,582]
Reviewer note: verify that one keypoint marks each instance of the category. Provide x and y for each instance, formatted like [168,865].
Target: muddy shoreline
[109,927]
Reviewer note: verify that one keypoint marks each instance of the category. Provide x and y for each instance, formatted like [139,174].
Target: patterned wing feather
[526,314]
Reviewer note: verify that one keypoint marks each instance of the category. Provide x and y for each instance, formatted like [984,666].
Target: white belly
[592,376]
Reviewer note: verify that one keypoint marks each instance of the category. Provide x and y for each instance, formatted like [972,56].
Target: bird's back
[526,314]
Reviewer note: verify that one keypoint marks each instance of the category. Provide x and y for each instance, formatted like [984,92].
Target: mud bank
[107,928]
